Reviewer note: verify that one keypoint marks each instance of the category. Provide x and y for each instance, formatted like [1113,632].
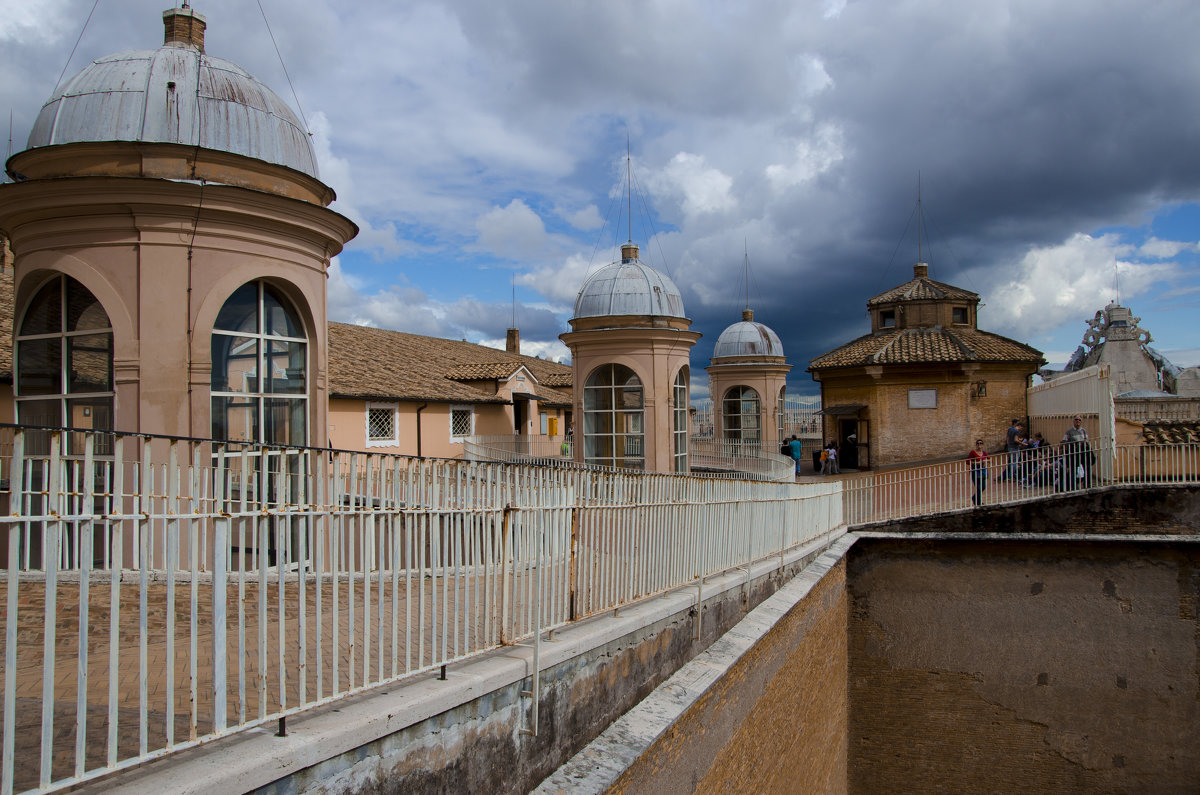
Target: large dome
[175,94]
[747,338]
[628,287]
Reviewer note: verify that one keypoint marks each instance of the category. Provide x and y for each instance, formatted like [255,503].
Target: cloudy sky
[480,146]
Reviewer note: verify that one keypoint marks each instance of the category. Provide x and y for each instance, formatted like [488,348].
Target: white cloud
[1165,249]
[586,219]
[1054,285]
[513,232]
[28,22]
[699,188]
[813,157]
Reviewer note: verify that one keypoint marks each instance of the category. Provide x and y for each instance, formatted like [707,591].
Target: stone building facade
[925,382]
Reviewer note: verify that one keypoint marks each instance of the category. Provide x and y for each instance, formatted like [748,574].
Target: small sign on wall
[922,398]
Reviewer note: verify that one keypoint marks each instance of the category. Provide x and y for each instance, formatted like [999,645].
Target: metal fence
[160,592]
[1012,477]
[707,457]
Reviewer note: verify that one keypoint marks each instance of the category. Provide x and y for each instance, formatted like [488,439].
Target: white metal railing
[746,457]
[161,592]
[707,457]
[1012,477]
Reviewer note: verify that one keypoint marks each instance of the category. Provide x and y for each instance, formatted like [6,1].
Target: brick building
[925,382]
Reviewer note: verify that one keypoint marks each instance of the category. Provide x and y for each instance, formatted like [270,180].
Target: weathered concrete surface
[764,707]
[1024,665]
[469,733]
[1123,510]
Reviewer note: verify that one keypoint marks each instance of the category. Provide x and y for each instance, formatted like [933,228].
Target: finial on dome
[183,27]
[629,252]
[921,270]
[748,315]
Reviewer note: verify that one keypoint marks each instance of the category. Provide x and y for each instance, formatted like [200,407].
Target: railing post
[220,582]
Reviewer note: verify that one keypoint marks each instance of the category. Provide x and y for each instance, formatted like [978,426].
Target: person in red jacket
[977,463]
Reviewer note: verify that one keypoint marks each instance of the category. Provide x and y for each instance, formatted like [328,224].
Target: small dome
[747,338]
[175,94]
[628,287]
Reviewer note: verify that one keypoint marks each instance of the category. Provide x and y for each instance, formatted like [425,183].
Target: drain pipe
[420,408]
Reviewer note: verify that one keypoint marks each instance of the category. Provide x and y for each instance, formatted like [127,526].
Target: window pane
[44,315]
[39,364]
[234,364]
[631,397]
[286,367]
[380,424]
[284,421]
[240,312]
[597,422]
[597,398]
[235,419]
[90,363]
[84,312]
[601,376]
[460,422]
[40,412]
[94,414]
[279,319]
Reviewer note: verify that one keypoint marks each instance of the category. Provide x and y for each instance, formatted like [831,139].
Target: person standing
[1078,454]
[797,450]
[1012,446]
[831,458]
[977,465]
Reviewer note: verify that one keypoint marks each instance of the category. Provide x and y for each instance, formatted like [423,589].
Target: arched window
[64,359]
[740,413]
[680,415]
[613,418]
[782,412]
[259,369]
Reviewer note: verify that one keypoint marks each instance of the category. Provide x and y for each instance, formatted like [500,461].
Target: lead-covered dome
[628,287]
[747,338]
[176,94]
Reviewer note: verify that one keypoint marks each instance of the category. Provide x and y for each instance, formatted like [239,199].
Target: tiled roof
[927,346]
[1171,431]
[923,288]
[377,363]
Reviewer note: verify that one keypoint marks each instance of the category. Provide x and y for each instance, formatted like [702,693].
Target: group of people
[828,459]
[1032,461]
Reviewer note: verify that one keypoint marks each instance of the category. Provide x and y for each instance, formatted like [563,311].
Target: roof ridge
[887,345]
[967,350]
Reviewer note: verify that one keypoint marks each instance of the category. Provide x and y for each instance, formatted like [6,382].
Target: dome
[176,94]
[628,287]
[747,338]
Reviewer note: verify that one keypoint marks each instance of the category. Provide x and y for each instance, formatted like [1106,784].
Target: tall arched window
[680,415]
[740,413]
[259,369]
[781,411]
[613,418]
[64,359]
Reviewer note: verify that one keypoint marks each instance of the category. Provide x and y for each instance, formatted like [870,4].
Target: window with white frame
[613,417]
[382,425]
[680,429]
[740,412]
[462,422]
[64,361]
[259,369]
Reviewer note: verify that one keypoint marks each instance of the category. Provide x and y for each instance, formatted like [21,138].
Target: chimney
[748,315]
[512,342]
[629,251]
[921,270]
[183,27]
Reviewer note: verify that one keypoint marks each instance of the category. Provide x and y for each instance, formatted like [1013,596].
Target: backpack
[785,449]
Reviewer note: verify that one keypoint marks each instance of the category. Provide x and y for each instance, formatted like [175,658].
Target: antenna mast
[628,186]
[920,258]
[746,268]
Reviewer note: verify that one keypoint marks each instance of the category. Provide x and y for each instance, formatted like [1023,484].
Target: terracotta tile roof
[927,346]
[369,362]
[1171,431]
[923,288]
